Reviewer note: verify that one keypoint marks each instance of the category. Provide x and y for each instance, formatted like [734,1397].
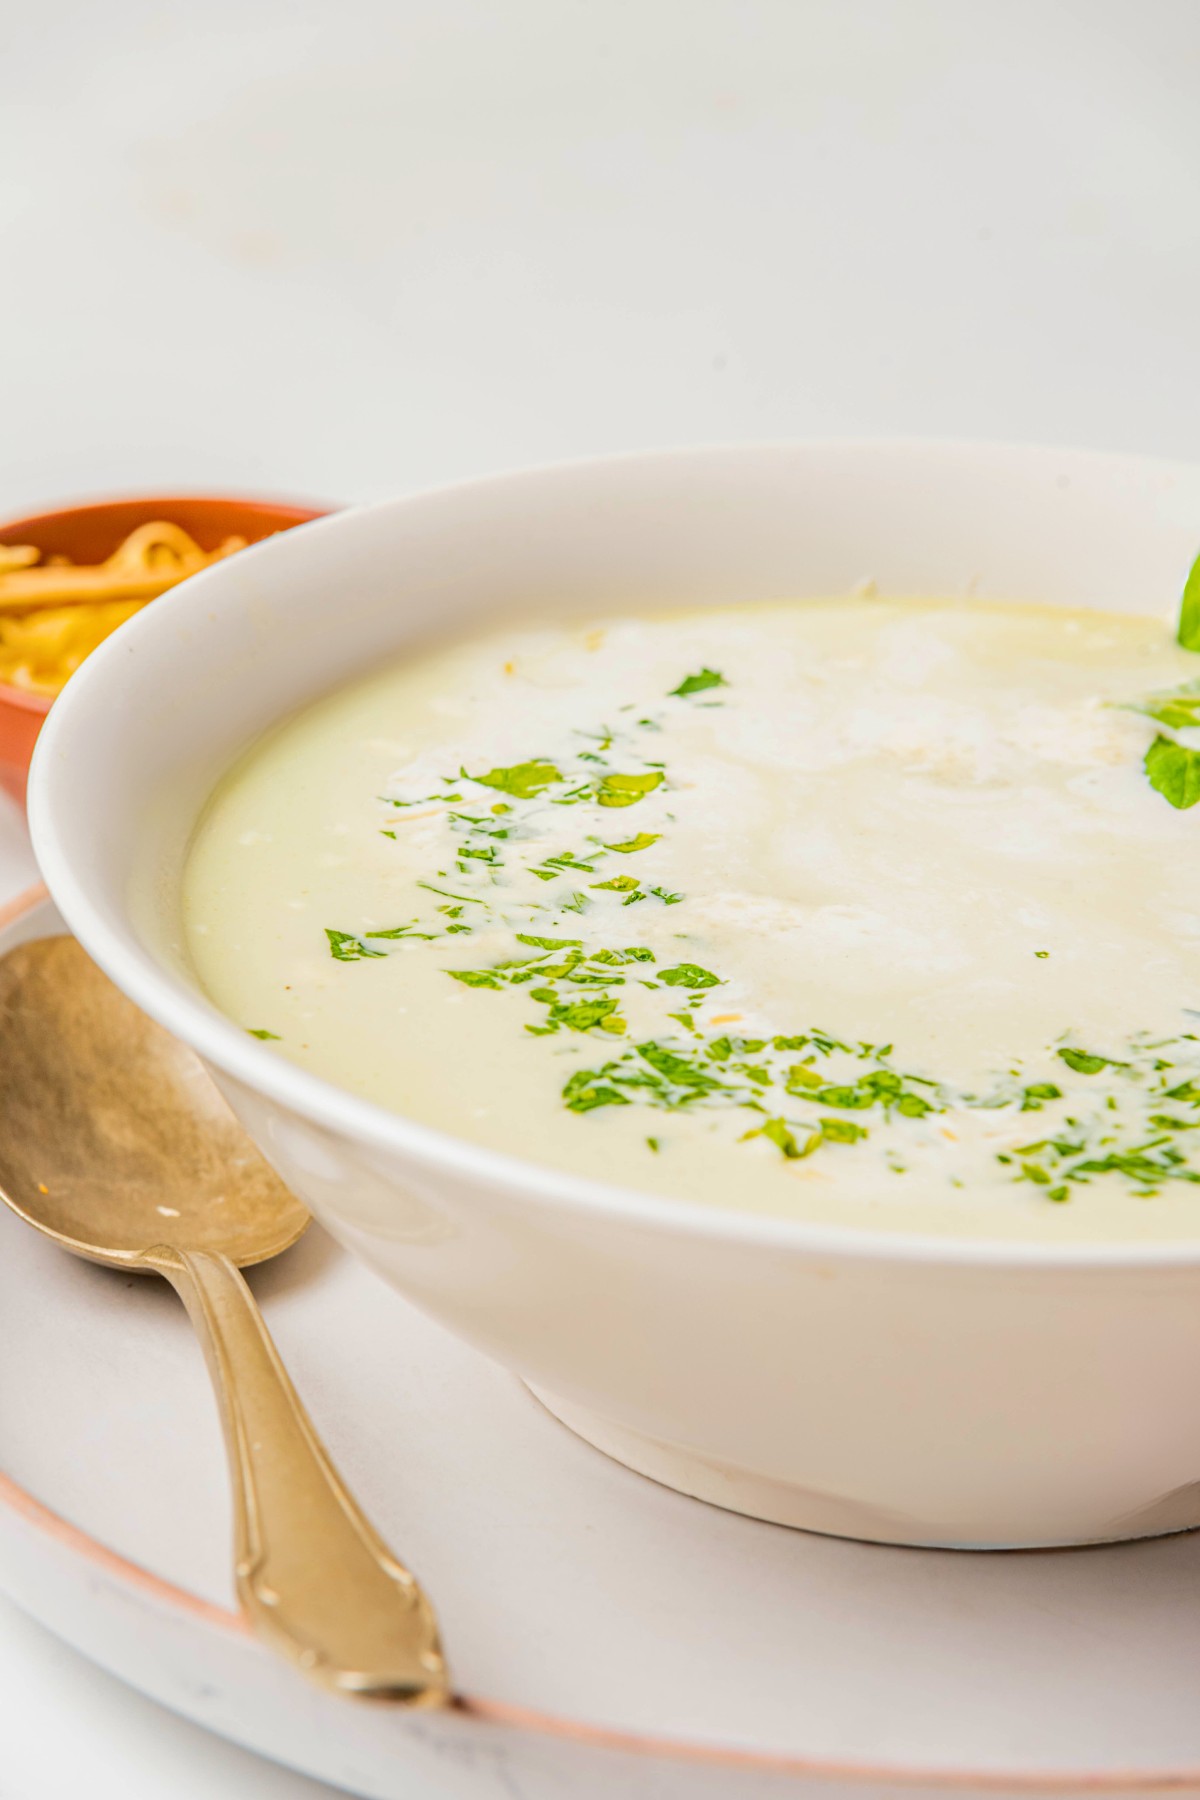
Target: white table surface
[345,250]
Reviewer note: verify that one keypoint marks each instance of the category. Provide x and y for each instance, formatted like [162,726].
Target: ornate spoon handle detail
[313,1578]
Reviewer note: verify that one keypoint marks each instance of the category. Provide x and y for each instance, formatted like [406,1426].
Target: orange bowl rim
[294,511]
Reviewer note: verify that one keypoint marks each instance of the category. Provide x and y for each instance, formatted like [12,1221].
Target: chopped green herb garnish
[463,899]
[688,975]
[779,1133]
[698,684]
[1084,1063]
[347,947]
[626,790]
[841,1131]
[585,1091]
[403,931]
[259,1032]
[642,841]
[524,781]
[679,1069]
[585,1015]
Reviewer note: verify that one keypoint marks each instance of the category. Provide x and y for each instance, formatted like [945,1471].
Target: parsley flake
[689,975]
[347,947]
[698,684]
[524,781]
[642,841]
[1084,1063]
[626,790]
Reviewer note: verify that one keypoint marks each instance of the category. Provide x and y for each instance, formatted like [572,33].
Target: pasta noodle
[54,613]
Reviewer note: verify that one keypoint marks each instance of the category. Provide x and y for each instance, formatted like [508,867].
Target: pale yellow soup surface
[820,929]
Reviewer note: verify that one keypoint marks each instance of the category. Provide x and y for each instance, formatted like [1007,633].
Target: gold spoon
[115,1143]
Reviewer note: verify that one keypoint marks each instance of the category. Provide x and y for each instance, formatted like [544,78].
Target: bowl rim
[184,1010]
[300,512]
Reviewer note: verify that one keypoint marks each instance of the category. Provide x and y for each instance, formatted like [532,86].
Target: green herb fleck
[403,931]
[678,1069]
[688,975]
[642,841]
[1084,1063]
[585,1091]
[626,790]
[698,684]
[586,1015]
[347,947]
[261,1033]
[779,1133]
[463,899]
[841,1131]
[524,781]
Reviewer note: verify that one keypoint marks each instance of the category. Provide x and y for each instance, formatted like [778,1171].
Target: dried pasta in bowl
[54,613]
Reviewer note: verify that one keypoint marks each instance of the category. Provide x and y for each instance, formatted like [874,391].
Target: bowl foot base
[757,1496]
[833,1515]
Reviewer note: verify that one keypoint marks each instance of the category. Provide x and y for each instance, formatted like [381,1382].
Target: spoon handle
[314,1580]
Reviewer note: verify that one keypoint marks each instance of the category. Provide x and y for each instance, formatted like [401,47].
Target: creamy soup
[869,912]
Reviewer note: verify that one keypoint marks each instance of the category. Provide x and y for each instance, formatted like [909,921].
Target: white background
[351,247]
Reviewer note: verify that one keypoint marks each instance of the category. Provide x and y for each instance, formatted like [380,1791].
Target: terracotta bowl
[88,534]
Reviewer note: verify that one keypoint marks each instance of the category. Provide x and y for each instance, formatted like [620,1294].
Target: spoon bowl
[115,1139]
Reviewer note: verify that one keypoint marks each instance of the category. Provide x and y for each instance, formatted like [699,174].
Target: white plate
[609,1637]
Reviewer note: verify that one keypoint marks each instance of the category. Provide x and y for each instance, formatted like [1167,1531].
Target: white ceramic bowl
[908,1389]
